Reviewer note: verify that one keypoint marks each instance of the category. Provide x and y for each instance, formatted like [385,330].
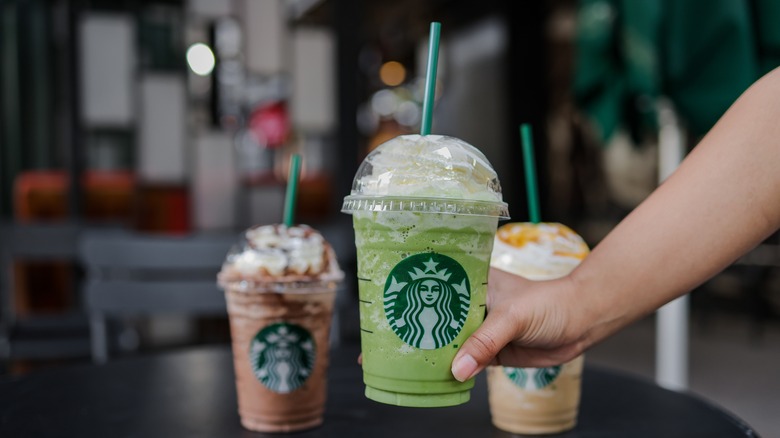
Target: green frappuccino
[425,212]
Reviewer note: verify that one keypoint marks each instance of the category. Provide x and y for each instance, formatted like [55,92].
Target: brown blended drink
[280,289]
[536,400]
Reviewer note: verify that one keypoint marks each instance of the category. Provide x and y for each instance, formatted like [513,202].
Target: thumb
[481,348]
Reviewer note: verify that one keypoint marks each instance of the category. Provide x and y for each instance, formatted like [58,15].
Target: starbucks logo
[282,356]
[532,378]
[427,300]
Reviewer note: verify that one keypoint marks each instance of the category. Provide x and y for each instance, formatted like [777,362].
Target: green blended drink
[425,211]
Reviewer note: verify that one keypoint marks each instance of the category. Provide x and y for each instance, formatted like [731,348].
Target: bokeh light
[392,73]
[201,59]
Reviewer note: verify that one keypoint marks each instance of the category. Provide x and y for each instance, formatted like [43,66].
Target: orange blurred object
[163,208]
[43,195]
[109,196]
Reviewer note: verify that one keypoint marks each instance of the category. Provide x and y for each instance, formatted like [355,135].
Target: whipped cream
[537,251]
[278,250]
[433,166]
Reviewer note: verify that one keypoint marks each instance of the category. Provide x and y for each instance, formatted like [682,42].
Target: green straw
[430,79]
[530,173]
[292,190]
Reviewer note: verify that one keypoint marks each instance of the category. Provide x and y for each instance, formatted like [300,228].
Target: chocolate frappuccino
[280,288]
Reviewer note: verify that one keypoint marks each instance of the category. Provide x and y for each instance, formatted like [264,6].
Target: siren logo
[282,356]
[532,378]
[427,300]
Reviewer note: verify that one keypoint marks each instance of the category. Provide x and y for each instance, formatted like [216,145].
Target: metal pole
[672,319]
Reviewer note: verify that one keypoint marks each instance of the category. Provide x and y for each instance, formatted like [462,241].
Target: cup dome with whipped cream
[276,258]
[537,251]
[427,174]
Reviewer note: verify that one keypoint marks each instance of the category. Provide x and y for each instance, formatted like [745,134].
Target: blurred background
[177,119]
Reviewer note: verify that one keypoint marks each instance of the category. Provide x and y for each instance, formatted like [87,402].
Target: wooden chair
[131,274]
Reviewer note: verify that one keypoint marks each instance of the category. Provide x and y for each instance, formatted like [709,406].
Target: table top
[191,393]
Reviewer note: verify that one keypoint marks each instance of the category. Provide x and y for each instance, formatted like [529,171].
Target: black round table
[191,393]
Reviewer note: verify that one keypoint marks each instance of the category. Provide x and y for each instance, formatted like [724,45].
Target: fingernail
[464,367]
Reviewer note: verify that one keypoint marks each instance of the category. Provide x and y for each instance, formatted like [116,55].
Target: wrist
[588,317]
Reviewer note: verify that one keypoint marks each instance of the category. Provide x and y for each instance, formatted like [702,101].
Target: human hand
[528,324]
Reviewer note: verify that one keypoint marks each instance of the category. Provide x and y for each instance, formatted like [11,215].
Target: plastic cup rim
[420,204]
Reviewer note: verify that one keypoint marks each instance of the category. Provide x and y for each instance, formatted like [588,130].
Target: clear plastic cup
[425,211]
[279,325]
[536,400]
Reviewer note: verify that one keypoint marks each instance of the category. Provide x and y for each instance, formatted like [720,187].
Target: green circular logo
[282,356]
[427,300]
[532,378]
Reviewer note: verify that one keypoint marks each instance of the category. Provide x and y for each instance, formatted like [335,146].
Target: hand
[528,324]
